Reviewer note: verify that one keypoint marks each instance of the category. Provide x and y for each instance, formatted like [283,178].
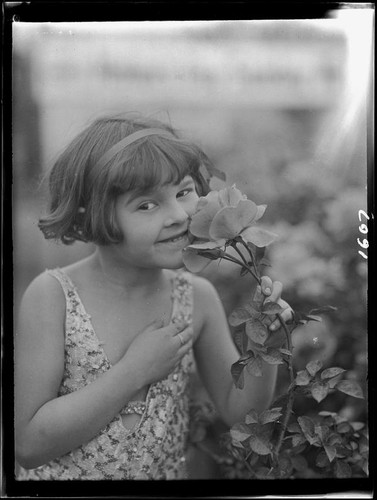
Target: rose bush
[277,443]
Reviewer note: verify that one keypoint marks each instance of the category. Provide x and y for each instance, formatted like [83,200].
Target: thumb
[155,325]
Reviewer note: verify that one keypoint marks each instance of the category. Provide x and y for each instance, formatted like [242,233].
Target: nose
[176,215]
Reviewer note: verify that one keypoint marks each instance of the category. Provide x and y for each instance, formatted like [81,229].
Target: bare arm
[215,353]
[48,426]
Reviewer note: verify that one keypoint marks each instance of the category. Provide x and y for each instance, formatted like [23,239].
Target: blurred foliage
[314,207]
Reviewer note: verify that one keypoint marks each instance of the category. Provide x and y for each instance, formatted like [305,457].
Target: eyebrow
[134,195]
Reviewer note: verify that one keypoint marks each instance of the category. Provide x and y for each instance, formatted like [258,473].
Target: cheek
[191,206]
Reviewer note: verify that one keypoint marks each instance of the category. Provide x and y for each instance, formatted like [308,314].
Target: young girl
[105,346]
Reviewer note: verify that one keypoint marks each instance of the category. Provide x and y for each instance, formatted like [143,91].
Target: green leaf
[327,413]
[323,309]
[239,316]
[256,331]
[240,339]
[357,426]
[302,378]
[342,469]
[334,439]
[298,439]
[307,427]
[272,357]
[254,347]
[258,236]
[363,445]
[270,415]
[254,367]
[322,431]
[314,366]
[294,427]
[259,445]
[322,460]
[237,374]
[343,452]
[365,466]
[286,352]
[276,339]
[331,372]
[263,473]
[351,388]
[311,317]
[333,381]
[271,308]
[252,417]
[344,427]
[330,452]
[319,391]
[240,432]
[285,466]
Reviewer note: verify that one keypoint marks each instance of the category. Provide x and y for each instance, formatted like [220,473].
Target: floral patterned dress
[155,447]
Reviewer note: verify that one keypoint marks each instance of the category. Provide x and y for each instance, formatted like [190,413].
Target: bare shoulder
[206,301]
[43,297]
[203,289]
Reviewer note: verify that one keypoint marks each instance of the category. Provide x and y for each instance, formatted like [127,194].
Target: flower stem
[226,256]
[248,249]
[246,264]
[288,409]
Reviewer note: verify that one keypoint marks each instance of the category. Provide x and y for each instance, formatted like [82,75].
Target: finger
[183,349]
[180,326]
[277,288]
[184,335]
[285,315]
[266,285]
[155,325]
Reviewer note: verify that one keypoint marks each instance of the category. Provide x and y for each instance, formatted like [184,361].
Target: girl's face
[154,225]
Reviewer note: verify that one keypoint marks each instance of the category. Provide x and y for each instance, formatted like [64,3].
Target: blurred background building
[280,106]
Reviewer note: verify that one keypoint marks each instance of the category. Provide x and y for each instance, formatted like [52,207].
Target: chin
[174,264]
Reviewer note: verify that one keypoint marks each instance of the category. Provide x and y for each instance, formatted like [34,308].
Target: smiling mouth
[174,239]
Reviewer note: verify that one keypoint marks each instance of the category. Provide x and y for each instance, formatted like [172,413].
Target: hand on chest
[117,321]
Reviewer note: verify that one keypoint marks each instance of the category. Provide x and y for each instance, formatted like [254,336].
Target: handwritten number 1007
[363,228]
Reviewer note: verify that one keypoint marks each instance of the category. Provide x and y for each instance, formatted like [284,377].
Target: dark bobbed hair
[83,196]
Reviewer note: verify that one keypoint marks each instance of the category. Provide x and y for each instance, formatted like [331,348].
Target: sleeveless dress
[155,447]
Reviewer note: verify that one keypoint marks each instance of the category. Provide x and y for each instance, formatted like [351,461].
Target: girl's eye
[185,192]
[148,205]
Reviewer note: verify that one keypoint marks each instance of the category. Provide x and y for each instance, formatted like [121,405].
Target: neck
[118,277]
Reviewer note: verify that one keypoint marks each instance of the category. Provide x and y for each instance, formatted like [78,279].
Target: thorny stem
[234,245]
[288,409]
[242,264]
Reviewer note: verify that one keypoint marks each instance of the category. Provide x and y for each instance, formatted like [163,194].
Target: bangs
[156,162]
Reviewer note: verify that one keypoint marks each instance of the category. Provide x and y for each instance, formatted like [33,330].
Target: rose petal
[206,210]
[261,210]
[230,221]
[230,196]
[207,245]
[194,262]
[258,236]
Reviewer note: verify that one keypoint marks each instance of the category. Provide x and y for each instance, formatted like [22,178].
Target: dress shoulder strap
[71,295]
[63,278]
[182,297]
